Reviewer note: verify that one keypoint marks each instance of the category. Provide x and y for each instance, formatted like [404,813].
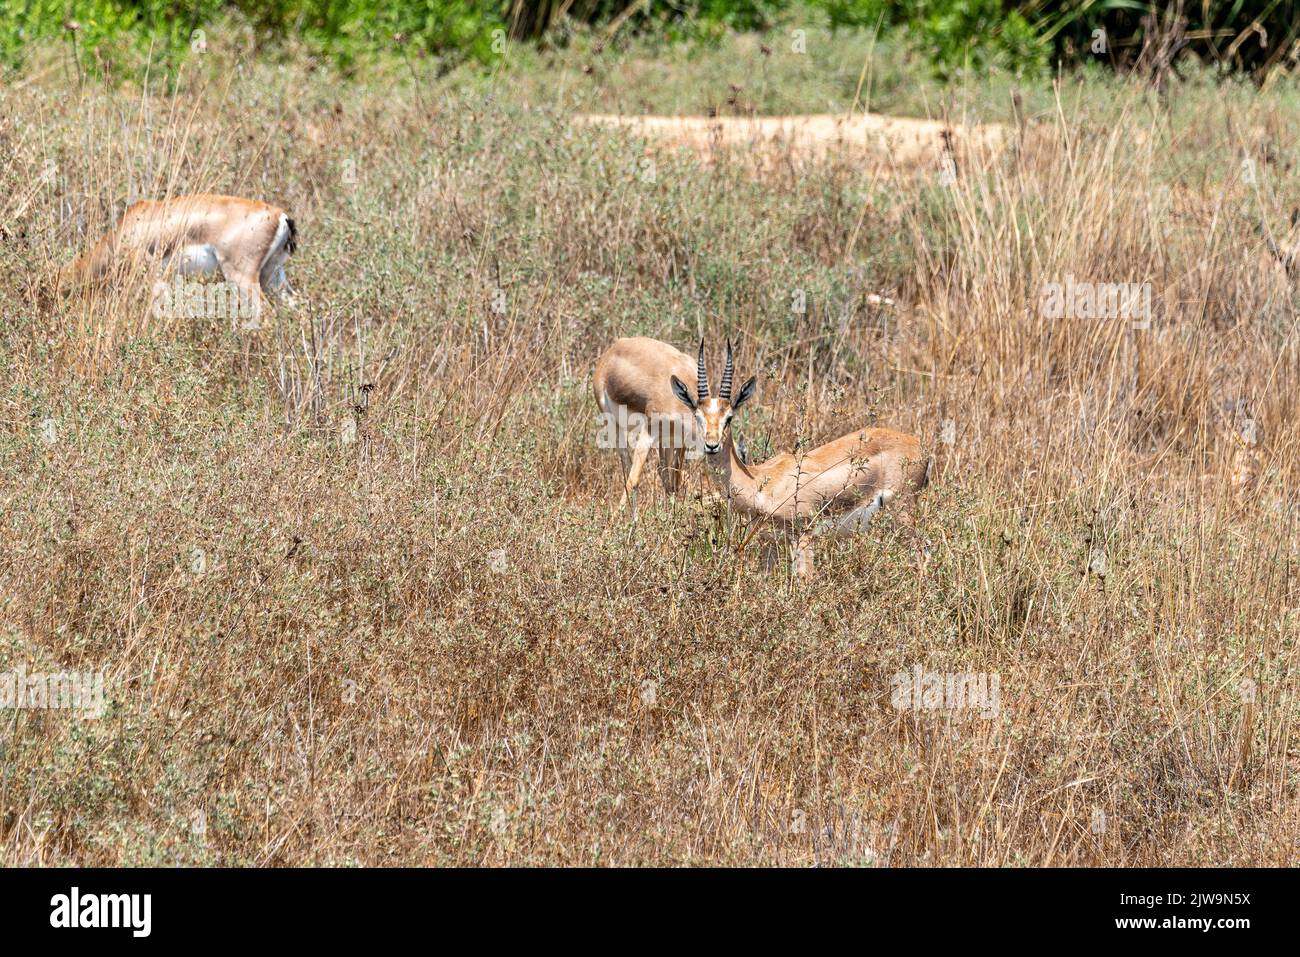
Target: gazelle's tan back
[837,476]
[635,372]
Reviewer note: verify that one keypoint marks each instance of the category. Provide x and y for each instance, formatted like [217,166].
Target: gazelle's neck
[735,477]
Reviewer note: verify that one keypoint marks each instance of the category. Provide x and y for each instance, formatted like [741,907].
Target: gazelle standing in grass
[632,387]
[840,485]
[245,241]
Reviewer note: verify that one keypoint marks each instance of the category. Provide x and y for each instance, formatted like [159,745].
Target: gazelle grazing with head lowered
[631,384]
[840,485]
[245,241]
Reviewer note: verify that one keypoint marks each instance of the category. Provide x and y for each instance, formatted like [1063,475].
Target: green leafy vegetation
[1026,37]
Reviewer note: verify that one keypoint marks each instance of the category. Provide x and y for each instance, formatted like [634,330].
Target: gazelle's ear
[683,393]
[745,392]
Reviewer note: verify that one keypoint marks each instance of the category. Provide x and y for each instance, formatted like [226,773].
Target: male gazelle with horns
[245,241]
[843,483]
[631,383]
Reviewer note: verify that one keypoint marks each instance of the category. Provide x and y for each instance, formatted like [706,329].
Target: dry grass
[439,643]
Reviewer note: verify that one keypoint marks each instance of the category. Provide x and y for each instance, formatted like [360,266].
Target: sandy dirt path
[894,142]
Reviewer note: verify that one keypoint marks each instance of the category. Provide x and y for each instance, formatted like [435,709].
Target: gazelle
[631,383]
[245,241]
[841,484]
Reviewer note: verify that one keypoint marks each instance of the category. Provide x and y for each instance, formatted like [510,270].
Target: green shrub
[1022,36]
[164,25]
[164,29]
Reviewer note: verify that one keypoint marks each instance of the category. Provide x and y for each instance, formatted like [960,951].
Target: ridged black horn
[725,389]
[702,377]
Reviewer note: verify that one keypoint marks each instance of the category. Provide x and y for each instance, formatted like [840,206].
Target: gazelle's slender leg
[625,457]
[248,284]
[662,465]
[802,555]
[640,449]
[772,553]
[277,287]
[670,468]
[252,301]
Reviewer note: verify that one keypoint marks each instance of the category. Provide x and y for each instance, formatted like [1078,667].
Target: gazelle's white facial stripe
[713,416]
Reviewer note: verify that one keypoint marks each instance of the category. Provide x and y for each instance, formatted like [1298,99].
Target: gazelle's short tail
[291,243]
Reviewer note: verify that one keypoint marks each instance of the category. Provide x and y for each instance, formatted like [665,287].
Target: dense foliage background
[1024,36]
